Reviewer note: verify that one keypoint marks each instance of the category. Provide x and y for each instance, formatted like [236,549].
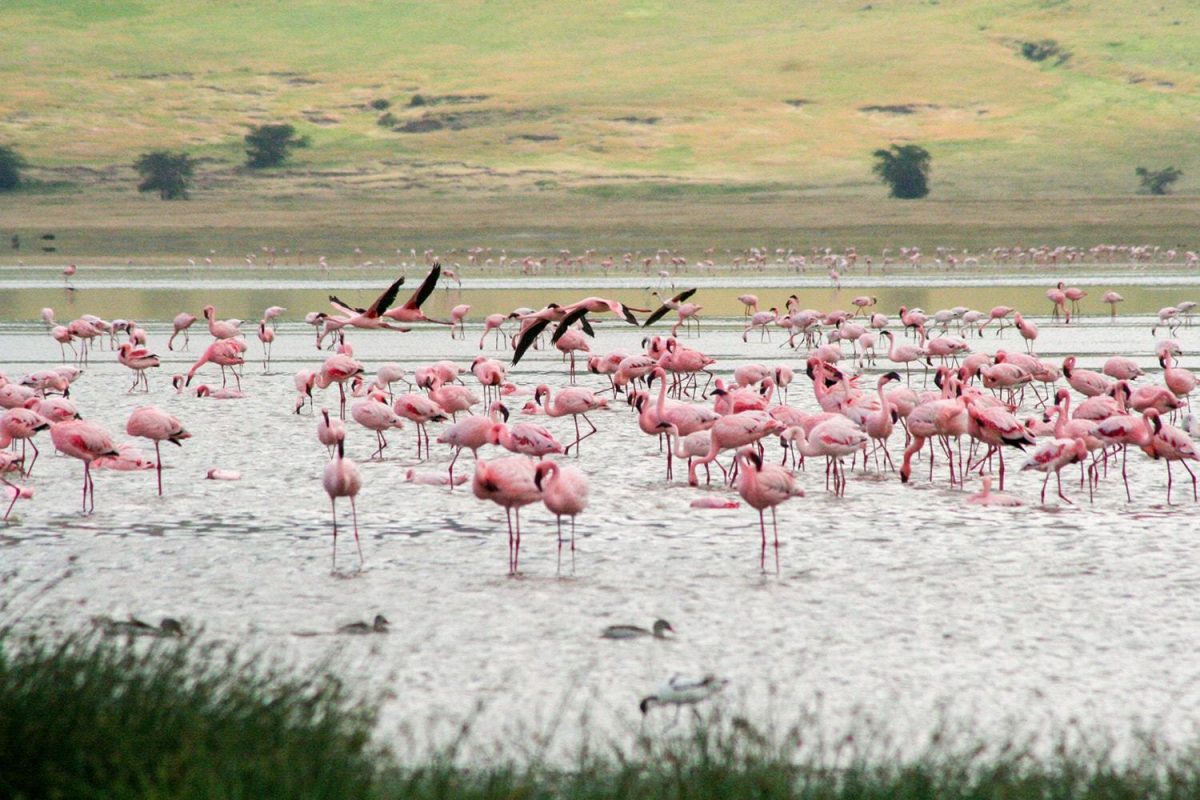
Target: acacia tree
[270,145]
[1158,181]
[11,164]
[905,169]
[167,173]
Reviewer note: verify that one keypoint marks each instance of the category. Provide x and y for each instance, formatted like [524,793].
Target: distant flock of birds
[976,401]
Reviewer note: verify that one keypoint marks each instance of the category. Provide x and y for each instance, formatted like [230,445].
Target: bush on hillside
[905,169]
[270,145]
[11,164]
[1157,181]
[169,174]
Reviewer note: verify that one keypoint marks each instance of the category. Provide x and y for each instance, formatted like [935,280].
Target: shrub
[417,100]
[381,104]
[270,145]
[11,164]
[164,172]
[386,120]
[1045,49]
[1157,181]
[905,169]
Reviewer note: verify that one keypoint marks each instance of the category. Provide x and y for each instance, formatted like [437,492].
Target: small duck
[659,631]
[679,691]
[378,625]
[168,626]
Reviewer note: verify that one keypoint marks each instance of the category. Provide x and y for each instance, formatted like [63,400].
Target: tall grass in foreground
[95,718]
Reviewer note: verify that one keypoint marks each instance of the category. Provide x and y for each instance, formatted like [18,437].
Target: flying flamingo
[677,303]
[764,486]
[153,423]
[342,478]
[573,402]
[508,482]
[86,441]
[564,492]
[182,322]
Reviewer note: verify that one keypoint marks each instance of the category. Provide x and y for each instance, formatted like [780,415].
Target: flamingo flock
[967,405]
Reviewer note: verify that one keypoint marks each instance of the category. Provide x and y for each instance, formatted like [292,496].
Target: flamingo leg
[457,453]
[508,516]
[333,507]
[762,526]
[354,517]
[517,546]
[158,458]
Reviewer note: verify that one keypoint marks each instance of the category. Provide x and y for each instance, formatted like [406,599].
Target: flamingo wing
[528,338]
[426,288]
[662,310]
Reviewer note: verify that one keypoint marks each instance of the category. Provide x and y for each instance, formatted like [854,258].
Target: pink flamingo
[573,402]
[989,498]
[1171,444]
[471,433]
[904,354]
[224,353]
[139,360]
[1112,298]
[23,423]
[86,441]
[420,410]
[457,325]
[221,329]
[1058,300]
[508,482]
[451,397]
[342,478]
[330,431]
[1027,329]
[1085,381]
[750,302]
[1181,382]
[1074,294]
[149,422]
[564,493]
[182,322]
[494,322]
[526,438]
[375,414]
[338,369]
[266,336]
[1122,368]
[764,486]
[879,424]
[834,439]
[1052,456]
[732,431]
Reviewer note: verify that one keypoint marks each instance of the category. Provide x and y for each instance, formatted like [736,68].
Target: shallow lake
[895,607]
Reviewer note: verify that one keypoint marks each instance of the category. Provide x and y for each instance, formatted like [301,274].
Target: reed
[88,717]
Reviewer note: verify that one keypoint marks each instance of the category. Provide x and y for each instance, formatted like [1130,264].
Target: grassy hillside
[541,94]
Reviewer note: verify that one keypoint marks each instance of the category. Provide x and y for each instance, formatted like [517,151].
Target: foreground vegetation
[96,718]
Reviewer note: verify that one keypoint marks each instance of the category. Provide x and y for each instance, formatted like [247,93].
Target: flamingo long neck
[1060,424]
[661,406]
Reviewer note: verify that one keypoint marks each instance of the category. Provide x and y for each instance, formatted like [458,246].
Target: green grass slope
[536,93]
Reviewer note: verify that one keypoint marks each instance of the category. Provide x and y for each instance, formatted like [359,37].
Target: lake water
[895,606]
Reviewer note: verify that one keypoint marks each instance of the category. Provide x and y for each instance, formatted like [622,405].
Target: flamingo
[732,431]
[1181,382]
[330,431]
[375,414]
[139,360]
[1112,298]
[1052,456]
[342,478]
[508,482]
[564,493]
[764,486]
[338,369]
[1171,444]
[750,303]
[224,353]
[23,423]
[1027,329]
[86,441]
[420,410]
[150,422]
[457,316]
[471,433]
[221,329]
[573,402]
[266,336]
[182,322]
[989,498]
